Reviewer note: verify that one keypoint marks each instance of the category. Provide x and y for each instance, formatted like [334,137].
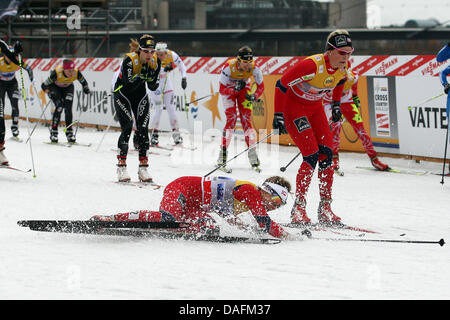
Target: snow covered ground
[78,182]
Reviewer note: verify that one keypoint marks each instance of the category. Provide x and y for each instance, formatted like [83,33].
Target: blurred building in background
[51,28]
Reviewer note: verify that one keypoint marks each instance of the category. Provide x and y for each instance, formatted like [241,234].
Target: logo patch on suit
[302,124]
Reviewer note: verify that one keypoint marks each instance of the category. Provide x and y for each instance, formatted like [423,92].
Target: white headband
[161,46]
[280,191]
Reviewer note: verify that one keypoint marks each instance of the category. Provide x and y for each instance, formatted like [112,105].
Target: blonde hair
[134,44]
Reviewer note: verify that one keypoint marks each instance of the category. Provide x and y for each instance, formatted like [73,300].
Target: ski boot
[122,173]
[15,130]
[70,136]
[326,215]
[3,160]
[143,174]
[298,213]
[154,141]
[254,161]
[54,135]
[222,160]
[335,165]
[378,164]
[177,139]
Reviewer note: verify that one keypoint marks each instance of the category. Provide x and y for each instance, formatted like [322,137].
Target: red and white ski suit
[235,100]
[298,96]
[189,199]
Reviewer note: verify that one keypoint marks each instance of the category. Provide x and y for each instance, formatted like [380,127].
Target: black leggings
[127,106]
[11,89]
[63,100]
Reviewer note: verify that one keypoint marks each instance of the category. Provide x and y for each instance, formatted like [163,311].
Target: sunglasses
[249,60]
[275,197]
[342,52]
[147,50]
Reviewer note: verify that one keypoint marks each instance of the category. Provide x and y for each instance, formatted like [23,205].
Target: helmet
[245,54]
[161,46]
[147,41]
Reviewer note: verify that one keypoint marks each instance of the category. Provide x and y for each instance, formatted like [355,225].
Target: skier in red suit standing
[299,111]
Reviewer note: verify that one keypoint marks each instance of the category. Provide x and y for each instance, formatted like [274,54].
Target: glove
[86,90]
[278,123]
[183,83]
[153,85]
[18,47]
[239,85]
[356,101]
[446,88]
[30,74]
[250,97]
[169,67]
[336,114]
[148,74]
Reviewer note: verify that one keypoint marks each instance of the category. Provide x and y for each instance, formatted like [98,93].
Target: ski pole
[428,100]
[446,139]
[209,95]
[37,122]
[26,112]
[186,108]
[106,130]
[283,169]
[441,242]
[250,147]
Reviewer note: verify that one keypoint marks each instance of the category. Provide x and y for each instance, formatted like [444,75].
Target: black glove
[336,114]
[183,83]
[43,86]
[250,97]
[239,85]
[278,123]
[169,67]
[30,74]
[446,88]
[149,74]
[18,47]
[356,101]
[86,90]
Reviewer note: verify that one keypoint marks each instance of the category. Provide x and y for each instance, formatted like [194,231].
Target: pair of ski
[172,147]
[13,168]
[68,144]
[140,184]
[339,230]
[229,170]
[165,230]
[166,154]
[16,139]
[339,172]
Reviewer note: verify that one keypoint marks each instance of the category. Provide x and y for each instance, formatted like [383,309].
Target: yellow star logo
[213,105]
